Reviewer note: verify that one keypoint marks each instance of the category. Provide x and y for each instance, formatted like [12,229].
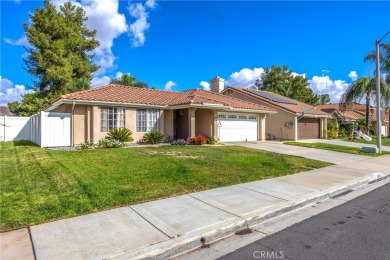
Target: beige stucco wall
[278,125]
[168,122]
[64,108]
[204,122]
[79,122]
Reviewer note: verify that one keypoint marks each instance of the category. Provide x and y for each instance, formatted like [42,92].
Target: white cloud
[22,41]
[353,75]
[100,81]
[320,84]
[324,85]
[10,92]
[169,85]
[119,75]
[245,77]
[205,85]
[138,28]
[151,4]
[104,17]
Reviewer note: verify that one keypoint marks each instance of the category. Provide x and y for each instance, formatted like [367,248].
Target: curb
[189,242]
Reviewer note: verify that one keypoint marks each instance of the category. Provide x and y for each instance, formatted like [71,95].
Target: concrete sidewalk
[344,143]
[164,228]
[310,153]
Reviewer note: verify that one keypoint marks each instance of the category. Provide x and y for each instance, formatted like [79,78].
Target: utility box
[367,149]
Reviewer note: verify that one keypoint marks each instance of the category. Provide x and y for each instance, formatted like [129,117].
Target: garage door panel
[231,130]
[309,128]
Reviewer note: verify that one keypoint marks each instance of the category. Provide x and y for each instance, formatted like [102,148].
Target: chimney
[217,84]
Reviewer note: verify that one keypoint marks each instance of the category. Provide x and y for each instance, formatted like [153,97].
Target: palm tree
[385,67]
[359,88]
[384,59]
[128,80]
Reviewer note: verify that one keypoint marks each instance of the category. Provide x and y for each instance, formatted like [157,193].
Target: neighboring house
[4,111]
[354,113]
[285,124]
[175,114]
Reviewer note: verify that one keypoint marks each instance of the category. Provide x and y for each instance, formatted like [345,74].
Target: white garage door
[232,127]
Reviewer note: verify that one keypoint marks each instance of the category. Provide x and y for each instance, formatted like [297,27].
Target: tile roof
[4,111]
[133,95]
[293,106]
[353,106]
[355,112]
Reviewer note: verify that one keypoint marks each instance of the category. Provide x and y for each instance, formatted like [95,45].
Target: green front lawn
[39,185]
[385,140]
[336,148]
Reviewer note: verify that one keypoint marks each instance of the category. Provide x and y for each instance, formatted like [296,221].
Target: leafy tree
[359,88]
[282,81]
[78,85]
[324,99]
[61,48]
[14,107]
[31,104]
[127,80]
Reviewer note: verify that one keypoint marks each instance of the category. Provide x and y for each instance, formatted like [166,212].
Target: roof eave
[314,116]
[100,103]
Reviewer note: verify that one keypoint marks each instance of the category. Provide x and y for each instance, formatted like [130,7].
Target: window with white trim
[111,117]
[221,116]
[241,117]
[146,120]
[232,116]
[252,117]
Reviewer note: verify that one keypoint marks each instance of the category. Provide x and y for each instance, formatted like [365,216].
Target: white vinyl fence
[14,128]
[47,129]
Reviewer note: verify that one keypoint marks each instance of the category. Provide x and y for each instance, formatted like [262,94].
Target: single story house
[286,124]
[96,111]
[353,113]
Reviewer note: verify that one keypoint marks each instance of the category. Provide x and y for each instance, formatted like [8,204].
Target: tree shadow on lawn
[24,143]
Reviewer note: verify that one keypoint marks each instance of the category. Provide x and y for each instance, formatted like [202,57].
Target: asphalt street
[357,229]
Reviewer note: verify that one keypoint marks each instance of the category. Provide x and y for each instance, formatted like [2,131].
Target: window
[147,120]
[111,117]
[252,117]
[221,116]
[242,117]
[232,116]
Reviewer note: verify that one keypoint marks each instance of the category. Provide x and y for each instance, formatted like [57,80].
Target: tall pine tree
[61,48]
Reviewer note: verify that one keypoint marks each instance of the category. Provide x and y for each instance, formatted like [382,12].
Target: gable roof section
[354,112]
[279,101]
[142,96]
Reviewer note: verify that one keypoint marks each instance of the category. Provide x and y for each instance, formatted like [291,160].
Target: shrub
[121,134]
[109,143]
[211,140]
[154,137]
[179,142]
[198,139]
[87,145]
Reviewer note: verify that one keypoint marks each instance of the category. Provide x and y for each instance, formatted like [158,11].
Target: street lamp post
[378,96]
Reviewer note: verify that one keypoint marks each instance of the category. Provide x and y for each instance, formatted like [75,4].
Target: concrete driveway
[310,153]
[344,143]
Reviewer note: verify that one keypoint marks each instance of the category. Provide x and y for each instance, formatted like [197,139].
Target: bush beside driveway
[40,185]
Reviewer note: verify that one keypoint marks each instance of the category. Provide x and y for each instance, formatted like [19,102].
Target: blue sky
[180,45]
